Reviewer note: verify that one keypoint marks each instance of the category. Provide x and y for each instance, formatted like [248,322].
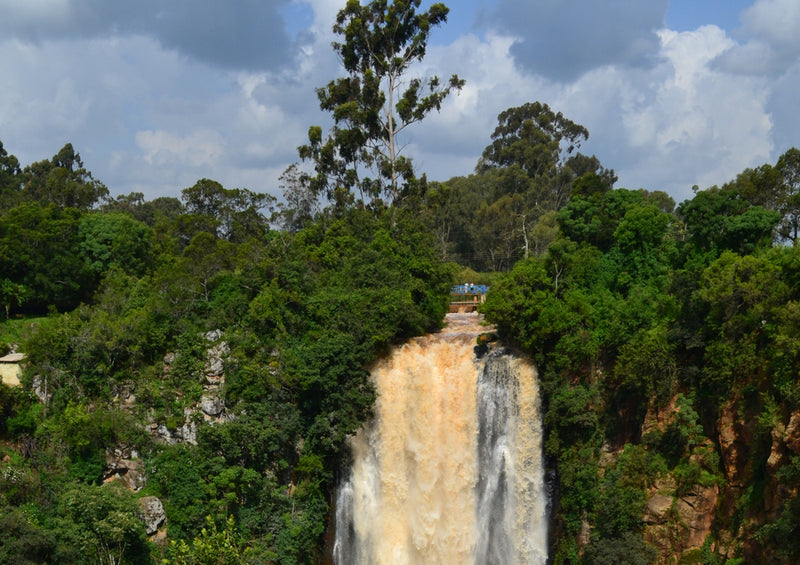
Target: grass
[15,330]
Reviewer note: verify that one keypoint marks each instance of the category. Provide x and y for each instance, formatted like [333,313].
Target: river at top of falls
[450,470]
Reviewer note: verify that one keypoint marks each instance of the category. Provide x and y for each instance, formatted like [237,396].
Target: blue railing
[469,289]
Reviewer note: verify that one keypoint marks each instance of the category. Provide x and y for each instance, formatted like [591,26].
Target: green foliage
[114,240]
[16,329]
[633,219]
[375,102]
[623,492]
[231,214]
[85,432]
[788,167]
[647,365]
[178,474]
[621,314]
[21,412]
[301,205]
[507,210]
[212,547]
[100,525]
[62,181]
[9,178]
[12,295]
[151,213]
[40,252]
[23,542]
[719,219]
[628,549]
[531,147]
[681,435]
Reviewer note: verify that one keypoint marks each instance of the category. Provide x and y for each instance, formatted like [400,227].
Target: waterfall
[450,471]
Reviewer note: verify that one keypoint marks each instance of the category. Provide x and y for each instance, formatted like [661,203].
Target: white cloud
[668,127]
[775,21]
[196,149]
[693,124]
[783,105]
[772,42]
[147,118]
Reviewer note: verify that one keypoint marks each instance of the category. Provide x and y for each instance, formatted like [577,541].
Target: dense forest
[195,365]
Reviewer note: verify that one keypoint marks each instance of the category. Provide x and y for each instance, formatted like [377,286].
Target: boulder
[39,386]
[211,404]
[151,512]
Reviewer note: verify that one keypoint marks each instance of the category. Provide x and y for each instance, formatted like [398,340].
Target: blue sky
[159,93]
[688,15]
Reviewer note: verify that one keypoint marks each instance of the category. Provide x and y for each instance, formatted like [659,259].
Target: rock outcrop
[151,513]
[211,407]
[125,466]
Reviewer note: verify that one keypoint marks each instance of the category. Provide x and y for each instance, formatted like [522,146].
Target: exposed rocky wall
[683,525]
[125,465]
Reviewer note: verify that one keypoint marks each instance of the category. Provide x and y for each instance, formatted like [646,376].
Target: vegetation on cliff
[666,344]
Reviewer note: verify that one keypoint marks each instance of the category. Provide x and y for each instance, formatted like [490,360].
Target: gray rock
[211,403]
[151,512]
[215,354]
[39,386]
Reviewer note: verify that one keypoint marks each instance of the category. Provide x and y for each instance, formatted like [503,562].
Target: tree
[301,202]
[533,147]
[12,294]
[9,177]
[63,180]
[451,211]
[148,212]
[760,186]
[500,234]
[205,257]
[719,218]
[788,166]
[114,240]
[212,547]
[774,188]
[628,549]
[528,171]
[376,101]
[40,249]
[236,213]
[102,522]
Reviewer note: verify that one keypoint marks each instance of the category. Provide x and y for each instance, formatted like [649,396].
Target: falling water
[450,470]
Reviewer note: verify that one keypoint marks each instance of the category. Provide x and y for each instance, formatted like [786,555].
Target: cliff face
[678,520]
[124,465]
[727,517]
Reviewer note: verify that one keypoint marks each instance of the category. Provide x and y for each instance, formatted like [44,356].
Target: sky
[158,94]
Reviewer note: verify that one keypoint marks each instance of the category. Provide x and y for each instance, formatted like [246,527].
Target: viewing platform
[466,297]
